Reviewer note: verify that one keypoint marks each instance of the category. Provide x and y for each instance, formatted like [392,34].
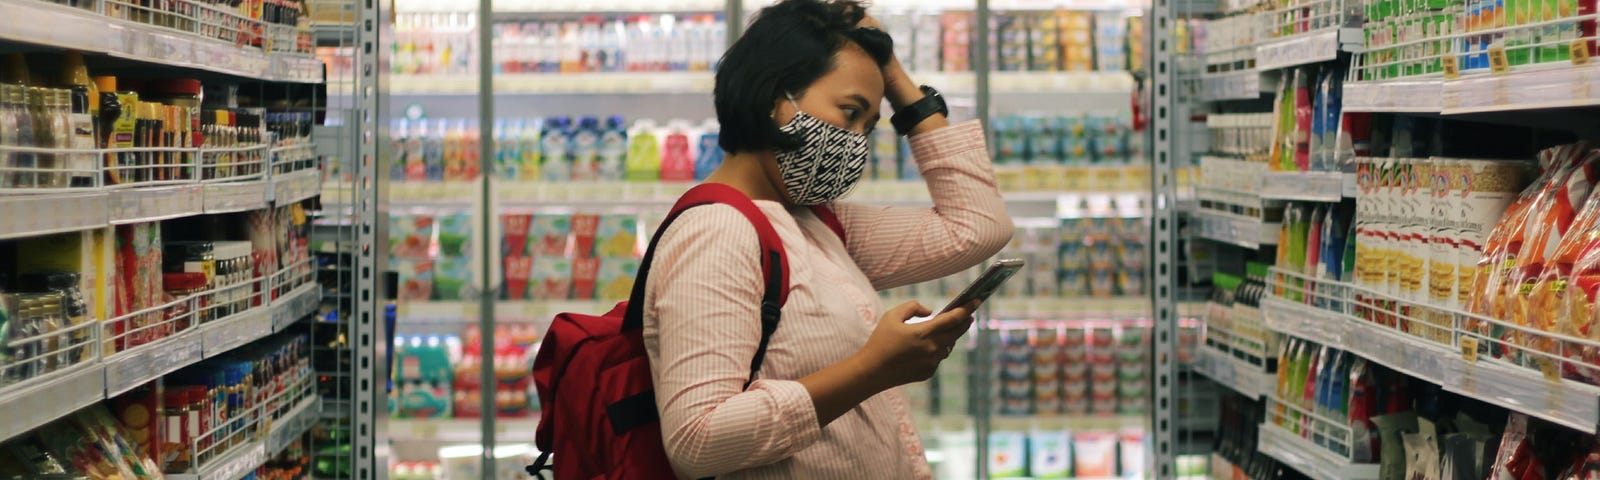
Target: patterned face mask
[828,163]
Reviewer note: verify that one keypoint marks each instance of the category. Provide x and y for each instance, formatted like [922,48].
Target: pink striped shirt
[702,311]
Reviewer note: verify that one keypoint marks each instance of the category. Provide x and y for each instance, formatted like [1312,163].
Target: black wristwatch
[909,116]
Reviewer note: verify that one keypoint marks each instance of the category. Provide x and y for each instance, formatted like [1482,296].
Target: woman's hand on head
[897,85]
[899,353]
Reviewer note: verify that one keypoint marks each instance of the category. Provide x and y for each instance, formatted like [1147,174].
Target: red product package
[584,228]
[514,234]
[1515,458]
[585,272]
[517,271]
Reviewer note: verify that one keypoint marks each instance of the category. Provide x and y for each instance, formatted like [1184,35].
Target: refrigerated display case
[525,176]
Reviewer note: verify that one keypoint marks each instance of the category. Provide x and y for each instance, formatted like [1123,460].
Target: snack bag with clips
[1549,224]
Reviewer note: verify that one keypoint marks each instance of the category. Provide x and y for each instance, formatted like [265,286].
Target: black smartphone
[986,284]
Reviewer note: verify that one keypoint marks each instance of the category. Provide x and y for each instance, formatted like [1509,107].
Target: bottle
[585,147]
[529,140]
[613,149]
[85,111]
[644,153]
[507,151]
[433,160]
[398,139]
[450,150]
[471,150]
[553,150]
[10,116]
[417,151]
[677,164]
[711,154]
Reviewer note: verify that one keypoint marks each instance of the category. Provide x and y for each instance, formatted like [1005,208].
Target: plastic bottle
[452,152]
[471,150]
[710,156]
[644,153]
[613,149]
[398,131]
[433,159]
[507,159]
[677,163]
[529,149]
[553,150]
[585,147]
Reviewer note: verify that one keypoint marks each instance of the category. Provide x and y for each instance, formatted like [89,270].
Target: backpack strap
[774,266]
[825,213]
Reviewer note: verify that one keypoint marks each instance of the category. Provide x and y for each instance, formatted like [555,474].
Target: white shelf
[1308,458]
[544,310]
[1307,322]
[1532,88]
[1235,229]
[1401,96]
[1240,85]
[135,366]
[701,83]
[60,26]
[31,215]
[1300,49]
[1536,88]
[460,430]
[34,215]
[1250,380]
[40,402]
[663,194]
[1304,186]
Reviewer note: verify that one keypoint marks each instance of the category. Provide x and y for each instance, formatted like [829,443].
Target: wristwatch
[909,116]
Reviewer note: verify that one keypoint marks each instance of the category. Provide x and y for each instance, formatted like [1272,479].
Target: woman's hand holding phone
[900,352]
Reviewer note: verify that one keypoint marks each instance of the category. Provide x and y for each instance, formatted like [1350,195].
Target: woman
[797,95]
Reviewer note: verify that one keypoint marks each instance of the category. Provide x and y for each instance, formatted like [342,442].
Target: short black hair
[787,47]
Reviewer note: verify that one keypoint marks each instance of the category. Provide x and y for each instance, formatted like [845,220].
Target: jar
[179,286]
[177,416]
[195,257]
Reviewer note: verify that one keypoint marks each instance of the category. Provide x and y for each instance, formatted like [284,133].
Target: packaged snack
[585,226]
[1515,458]
[551,278]
[1095,454]
[1049,454]
[416,279]
[516,270]
[616,278]
[1008,454]
[1391,428]
[1553,218]
[411,236]
[585,272]
[452,278]
[455,234]
[548,234]
[617,236]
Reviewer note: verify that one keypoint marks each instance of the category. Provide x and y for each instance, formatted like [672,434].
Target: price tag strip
[236,196]
[228,333]
[43,399]
[1314,461]
[1300,49]
[153,204]
[144,363]
[33,215]
[1298,320]
[295,305]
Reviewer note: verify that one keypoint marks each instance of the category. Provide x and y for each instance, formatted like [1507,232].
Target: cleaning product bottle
[553,150]
[644,153]
[585,146]
[613,149]
[710,156]
[677,164]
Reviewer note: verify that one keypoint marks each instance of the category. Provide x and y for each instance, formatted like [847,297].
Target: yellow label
[1580,52]
[1451,69]
[1551,371]
[469,310]
[425,429]
[1497,60]
[1469,349]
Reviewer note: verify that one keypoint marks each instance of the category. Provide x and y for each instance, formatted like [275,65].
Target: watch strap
[907,117]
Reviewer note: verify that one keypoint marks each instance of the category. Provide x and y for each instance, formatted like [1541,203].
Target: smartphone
[986,284]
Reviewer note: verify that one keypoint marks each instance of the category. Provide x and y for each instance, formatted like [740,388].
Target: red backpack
[593,375]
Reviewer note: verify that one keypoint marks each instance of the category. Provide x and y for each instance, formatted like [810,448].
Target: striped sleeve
[704,296]
[968,223]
